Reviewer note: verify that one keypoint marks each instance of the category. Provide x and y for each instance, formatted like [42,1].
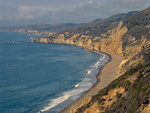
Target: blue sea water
[37,77]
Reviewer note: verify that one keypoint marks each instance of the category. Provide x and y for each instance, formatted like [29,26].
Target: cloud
[60,11]
[31,12]
[105,8]
[90,1]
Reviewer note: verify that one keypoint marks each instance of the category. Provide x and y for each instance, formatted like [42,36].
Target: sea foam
[89,72]
[65,96]
[85,84]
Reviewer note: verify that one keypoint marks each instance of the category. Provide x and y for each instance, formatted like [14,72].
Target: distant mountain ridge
[41,27]
[98,26]
[115,18]
[65,26]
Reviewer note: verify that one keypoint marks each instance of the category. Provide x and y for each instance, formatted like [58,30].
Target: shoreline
[110,68]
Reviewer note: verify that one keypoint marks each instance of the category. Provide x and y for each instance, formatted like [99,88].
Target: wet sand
[105,76]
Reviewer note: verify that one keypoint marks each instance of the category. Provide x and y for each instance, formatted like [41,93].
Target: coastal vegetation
[128,38]
[132,96]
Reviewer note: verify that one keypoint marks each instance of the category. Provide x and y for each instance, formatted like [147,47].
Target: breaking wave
[86,83]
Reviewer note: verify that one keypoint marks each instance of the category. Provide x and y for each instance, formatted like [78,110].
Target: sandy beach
[105,76]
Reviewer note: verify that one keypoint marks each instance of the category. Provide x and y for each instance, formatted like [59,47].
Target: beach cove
[110,46]
[104,77]
[39,86]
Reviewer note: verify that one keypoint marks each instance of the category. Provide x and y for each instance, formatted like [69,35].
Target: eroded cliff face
[42,40]
[130,39]
[129,47]
[134,53]
[111,44]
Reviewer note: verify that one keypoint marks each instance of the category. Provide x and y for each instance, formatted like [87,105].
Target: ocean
[37,77]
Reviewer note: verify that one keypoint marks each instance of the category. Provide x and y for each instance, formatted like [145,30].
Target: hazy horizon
[20,12]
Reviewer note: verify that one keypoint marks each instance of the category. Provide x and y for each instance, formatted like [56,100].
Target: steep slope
[130,92]
[127,94]
[130,39]
[136,42]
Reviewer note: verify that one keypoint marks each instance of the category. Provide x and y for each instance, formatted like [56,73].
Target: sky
[25,12]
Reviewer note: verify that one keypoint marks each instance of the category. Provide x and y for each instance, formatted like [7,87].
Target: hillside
[99,26]
[115,18]
[62,27]
[129,39]
[127,94]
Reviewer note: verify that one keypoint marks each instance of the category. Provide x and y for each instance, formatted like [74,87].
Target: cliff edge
[130,39]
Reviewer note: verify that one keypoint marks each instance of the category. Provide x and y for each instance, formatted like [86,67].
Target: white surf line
[78,88]
[57,101]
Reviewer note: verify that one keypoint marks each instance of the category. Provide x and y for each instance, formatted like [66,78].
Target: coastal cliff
[130,39]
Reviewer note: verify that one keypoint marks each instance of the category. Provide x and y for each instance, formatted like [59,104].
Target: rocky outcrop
[42,40]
